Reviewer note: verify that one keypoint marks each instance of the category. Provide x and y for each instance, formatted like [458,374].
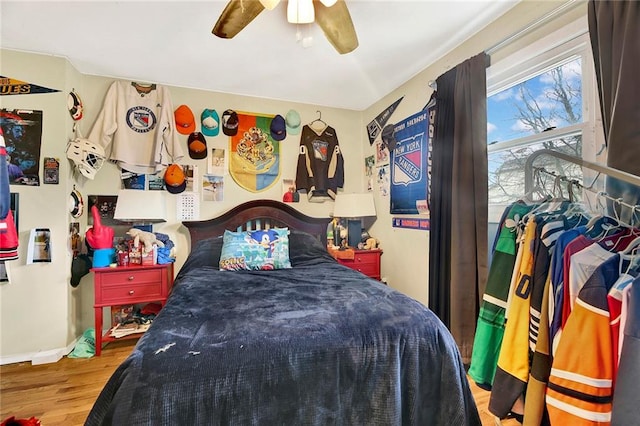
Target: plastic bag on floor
[86,346]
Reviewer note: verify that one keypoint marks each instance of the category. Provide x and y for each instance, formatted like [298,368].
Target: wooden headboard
[258,214]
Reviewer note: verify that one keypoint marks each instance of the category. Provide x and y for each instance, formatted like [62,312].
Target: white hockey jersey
[136,127]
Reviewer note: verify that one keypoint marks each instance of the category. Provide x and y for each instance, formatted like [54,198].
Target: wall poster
[23,138]
[409,165]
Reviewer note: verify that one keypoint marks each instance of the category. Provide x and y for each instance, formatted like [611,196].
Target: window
[539,98]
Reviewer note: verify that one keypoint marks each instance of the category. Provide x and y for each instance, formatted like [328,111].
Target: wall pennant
[375,126]
[11,86]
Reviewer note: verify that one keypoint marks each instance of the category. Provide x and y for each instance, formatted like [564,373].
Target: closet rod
[609,171]
[602,194]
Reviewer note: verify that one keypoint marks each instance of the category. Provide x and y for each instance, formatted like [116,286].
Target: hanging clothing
[513,363]
[580,387]
[320,170]
[8,234]
[491,321]
[136,127]
[626,409]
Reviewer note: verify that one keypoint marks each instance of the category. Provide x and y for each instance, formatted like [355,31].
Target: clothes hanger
[319,119]
[537,190]
[318,125]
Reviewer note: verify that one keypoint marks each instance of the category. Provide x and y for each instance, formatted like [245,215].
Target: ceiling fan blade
[337,26]
[235,16]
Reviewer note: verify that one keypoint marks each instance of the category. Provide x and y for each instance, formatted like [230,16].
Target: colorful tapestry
[254,161]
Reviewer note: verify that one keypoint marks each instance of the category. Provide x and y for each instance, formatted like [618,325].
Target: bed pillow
[205,253]
[305,249]
[255,250]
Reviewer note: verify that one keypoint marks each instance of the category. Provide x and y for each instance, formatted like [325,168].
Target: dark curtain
[459,199]
[614,29]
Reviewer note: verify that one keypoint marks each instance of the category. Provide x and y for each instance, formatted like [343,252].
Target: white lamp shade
[300,12]
[328,3]
[354,205]
[138,206]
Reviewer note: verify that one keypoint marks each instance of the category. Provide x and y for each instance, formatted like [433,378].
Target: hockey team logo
[320,150]
[141,119]
[407,165]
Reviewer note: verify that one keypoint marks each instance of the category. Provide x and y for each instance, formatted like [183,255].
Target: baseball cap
[230,122]
[185,121]
[292,120]
[197,146]
[278,128]
[388,136]
[174,179]
[210,122]
[79,268]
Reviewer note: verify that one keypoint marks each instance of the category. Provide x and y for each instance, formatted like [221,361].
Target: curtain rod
[535,24]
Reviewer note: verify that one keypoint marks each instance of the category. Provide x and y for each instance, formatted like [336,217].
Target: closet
[557,340]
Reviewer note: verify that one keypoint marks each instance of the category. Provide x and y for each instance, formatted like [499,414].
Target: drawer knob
[131,278]
[130,292]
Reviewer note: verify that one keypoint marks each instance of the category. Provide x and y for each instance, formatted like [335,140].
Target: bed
[314,344]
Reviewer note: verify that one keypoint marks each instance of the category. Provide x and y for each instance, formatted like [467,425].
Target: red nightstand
[127,285]
[365,261]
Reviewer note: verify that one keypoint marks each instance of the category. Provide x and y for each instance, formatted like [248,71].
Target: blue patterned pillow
[255,250]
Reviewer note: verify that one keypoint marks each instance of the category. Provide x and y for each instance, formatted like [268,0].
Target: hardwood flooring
[62,393]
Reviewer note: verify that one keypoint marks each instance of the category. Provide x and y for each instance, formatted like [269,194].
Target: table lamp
[353,207]
[140,208]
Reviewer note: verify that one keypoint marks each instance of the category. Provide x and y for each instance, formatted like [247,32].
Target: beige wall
[406,251]
[41,315]
[39,310]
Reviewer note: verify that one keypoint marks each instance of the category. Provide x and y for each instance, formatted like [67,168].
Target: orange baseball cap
[185,120]
[174,179]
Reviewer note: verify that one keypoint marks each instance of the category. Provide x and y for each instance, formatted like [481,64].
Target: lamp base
[354,232]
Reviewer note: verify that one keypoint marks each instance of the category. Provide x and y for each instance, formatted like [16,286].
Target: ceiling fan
[331,15]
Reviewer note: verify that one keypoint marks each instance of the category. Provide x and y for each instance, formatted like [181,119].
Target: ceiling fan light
[269,4]
[300,11]
[328,3]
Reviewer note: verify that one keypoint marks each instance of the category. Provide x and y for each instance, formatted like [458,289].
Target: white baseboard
[40,357]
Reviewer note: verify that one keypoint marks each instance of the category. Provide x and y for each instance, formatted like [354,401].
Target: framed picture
[106,205]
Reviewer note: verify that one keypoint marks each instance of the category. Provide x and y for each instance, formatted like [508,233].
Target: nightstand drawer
[370,269]
[364,261]
[366,258]
[132,277]
[124,292]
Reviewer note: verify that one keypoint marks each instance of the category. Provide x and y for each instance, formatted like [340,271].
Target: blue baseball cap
[278,128]
[210,122]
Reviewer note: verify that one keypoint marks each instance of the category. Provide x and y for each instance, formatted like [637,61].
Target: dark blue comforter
[318,344]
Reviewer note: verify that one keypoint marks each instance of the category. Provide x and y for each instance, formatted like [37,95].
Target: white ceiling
[170,42]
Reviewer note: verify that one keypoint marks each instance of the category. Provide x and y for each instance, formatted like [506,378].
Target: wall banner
[411,223]
[11,86]
[254,156]
[409,164]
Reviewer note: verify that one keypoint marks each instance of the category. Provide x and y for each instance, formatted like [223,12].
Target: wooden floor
[62,393]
